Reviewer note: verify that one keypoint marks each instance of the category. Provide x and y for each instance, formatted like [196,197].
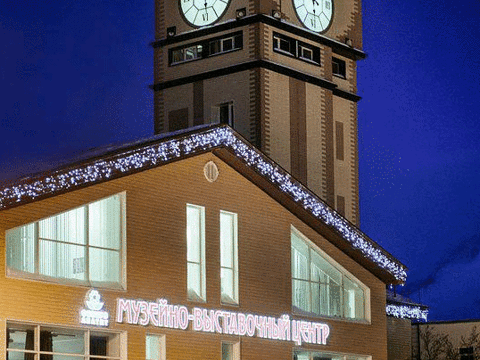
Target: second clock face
[203,12]
[316,15]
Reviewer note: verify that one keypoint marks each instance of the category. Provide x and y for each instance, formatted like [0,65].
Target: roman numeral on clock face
[200,13]
[315,15]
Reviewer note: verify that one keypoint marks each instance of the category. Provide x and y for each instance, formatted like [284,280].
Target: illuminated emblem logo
[93,300]
[93,314]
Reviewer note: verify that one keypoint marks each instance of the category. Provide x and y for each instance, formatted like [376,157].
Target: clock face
[316,15]
[203,12]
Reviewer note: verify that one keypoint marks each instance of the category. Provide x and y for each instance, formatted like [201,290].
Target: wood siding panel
[156,266]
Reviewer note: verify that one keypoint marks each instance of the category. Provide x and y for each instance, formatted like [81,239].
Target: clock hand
[315,2]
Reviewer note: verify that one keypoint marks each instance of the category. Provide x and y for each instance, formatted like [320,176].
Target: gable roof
[228,145]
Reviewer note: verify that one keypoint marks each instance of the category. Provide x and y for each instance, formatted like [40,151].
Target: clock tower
[282,73]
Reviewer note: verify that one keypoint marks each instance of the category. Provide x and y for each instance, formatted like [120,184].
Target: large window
[322,287]
[196,253]
[155,347]
[229,257]
[36,342]
[83,245]
[314,355]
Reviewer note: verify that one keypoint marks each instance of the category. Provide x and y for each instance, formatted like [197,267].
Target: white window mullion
[37,247]
[122,248]
[309,274]
[229,257]
[201,254]
[87,245]
[155,347]
[331,288]
[87,344]
[36,336]
[195,233]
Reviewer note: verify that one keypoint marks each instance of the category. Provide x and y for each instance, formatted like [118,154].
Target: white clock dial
[203,12]
[316,15]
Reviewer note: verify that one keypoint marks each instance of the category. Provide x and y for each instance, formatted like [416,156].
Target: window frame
[204,45]
[296,48]
[279,39]
[236,38]
[235,348]
[216,110]
[202,297]
[183,51]
[225,299]
[301,49]
[36,275]
[160,339]
[87,335]
[341,66]
[314,354]
[312,247]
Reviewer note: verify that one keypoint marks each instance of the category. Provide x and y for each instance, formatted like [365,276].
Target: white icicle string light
[156,154]
[407,312]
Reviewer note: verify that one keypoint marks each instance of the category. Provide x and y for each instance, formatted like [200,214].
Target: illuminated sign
[162,314]
[93,314]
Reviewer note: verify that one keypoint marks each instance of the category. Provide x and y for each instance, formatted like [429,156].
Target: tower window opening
[206,48]
[223,45]
[339,68]
[295,48]
[305,53]
[467,353]
[228,44]
[284,44]
[186,54]
[223,113]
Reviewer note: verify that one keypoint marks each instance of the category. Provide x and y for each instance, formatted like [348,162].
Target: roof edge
[156,152]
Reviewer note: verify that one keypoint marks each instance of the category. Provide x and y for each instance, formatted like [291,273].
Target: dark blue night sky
[75,76]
